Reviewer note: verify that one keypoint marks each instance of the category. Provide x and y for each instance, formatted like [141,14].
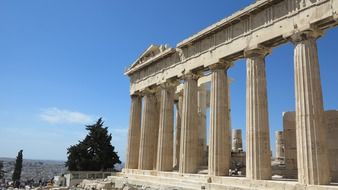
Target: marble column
[219,148]
[156,128]
[202,134]
[229,114]
[134,132]
[148,123]
[166,130]
[189,130]
[279,135]
[258,155]
[312,153]
[179,105]
[237,144]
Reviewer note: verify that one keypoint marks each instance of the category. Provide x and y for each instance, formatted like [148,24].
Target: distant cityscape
[36,170]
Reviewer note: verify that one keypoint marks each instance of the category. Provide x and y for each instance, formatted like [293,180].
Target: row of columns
[151,146]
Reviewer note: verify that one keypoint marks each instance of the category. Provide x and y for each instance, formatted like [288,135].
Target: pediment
[151,52]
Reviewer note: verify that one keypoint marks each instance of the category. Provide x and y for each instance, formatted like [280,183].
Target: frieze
[265,22]
[247,24]
[156,67]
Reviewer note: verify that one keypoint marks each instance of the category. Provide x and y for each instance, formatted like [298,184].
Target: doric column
[219,148]
[202,134]
[310,125]
[279,144]
[237,144]
[148,136]
[258,155]
[156,128]
[134,132]
[229,116]
[179,104]
[189,130]
[166,130]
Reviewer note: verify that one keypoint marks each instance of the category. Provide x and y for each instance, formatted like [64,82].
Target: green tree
[95,152]
[17,169]
[2,172]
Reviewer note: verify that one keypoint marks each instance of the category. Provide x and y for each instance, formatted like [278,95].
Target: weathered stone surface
[174,180]
[237,142]
[289,124]
[148,136]
[219,148]
[202,134]
[311,132]
[266,22]
[134,132]
[279,136]
[331,118]
[155,130]
[189,128]
[178,131]
[166,131]
[243,34]
[258,157]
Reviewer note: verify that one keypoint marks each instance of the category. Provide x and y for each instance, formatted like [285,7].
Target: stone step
[185,183]
[164,180]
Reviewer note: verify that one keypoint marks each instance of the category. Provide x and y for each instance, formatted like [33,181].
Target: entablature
[266,23]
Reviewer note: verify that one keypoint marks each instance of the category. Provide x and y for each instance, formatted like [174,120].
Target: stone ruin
[165,80]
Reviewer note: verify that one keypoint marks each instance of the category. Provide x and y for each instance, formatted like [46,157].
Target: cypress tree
[2,172]
[17,169]
[95,152]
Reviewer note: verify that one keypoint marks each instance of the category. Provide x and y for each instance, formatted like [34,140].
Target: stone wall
[332,137]
[289,124]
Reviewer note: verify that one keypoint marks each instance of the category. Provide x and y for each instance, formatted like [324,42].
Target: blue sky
[62,63]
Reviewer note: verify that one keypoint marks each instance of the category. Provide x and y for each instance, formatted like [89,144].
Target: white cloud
[59,116]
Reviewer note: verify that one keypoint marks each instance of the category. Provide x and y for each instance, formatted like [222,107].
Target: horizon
[32,159]
[62,67]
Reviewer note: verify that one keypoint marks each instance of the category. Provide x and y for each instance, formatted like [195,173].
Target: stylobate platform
[146,179]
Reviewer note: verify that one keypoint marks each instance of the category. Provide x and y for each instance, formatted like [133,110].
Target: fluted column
[229,115]
[189,130]
[134,132]
[148,124]
[179,105]
[219,146]
[202,133]
[312,154]
[279,145]
[237,144]
[166,131]
[258,156]
[156,128]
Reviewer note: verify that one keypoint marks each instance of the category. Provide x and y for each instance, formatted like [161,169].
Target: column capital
[305,35]
[149,91]
[170,84]
[136,95]
[259,51]
[191,75]
[179,90]
[222,65]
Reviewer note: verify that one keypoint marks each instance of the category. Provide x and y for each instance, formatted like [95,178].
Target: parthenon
[170,93]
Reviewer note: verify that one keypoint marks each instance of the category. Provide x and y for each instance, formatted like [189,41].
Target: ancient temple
[171,88]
